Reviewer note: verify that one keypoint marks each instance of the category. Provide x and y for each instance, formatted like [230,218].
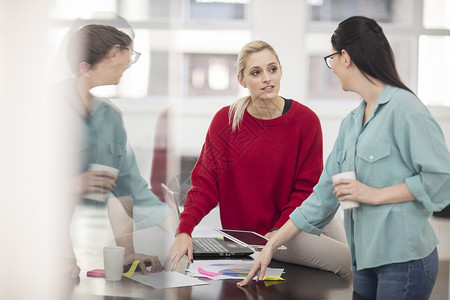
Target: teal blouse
[103,140]
[400,142]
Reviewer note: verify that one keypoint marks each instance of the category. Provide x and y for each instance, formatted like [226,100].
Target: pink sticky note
[96,273]
[208,273]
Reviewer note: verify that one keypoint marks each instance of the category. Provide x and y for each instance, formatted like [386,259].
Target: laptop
[206,247]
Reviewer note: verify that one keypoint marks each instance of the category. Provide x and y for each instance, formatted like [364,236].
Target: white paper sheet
[162,280]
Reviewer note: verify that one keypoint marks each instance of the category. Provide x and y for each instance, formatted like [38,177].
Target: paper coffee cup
[346,175]
[99,196]
[113,257]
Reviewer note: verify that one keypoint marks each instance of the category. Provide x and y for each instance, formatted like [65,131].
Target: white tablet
[246,238]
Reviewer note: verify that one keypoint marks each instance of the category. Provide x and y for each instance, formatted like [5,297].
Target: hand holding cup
[101,180]
[348,204]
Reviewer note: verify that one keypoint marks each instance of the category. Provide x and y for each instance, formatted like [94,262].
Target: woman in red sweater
[261,159]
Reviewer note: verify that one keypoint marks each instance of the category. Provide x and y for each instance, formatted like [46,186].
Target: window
[434,66]
[385,11]
[420,47]
[211,74]
[217,10]
[436,14]
[434,46]
[196,38]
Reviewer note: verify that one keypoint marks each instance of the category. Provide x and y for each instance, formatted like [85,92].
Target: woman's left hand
[352,189]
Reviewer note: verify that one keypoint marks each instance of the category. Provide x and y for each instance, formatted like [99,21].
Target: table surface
[91,231]
[301,283]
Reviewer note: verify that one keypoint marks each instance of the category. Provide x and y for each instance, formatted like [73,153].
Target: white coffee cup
[113,257]
[99,196]
[346,175]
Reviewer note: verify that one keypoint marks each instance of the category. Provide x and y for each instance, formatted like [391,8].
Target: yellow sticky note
[273,278]
[132,269]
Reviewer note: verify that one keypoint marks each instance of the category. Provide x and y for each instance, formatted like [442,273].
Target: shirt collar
[96,103]
[386,94]
[385,97]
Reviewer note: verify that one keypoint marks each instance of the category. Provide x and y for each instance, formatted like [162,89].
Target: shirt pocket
[375,160]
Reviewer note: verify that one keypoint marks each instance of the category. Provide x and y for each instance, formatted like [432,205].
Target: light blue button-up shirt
[103,140]
[400,142]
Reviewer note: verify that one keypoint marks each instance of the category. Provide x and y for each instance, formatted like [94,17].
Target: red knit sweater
[258,174]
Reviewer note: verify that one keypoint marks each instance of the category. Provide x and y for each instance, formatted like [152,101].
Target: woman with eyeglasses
[261,158]
[402,170]
[98,55]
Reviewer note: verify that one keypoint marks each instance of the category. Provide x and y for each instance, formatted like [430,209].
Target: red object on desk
[96,273]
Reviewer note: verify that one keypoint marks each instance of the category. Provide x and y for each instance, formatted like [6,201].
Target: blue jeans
[412,280]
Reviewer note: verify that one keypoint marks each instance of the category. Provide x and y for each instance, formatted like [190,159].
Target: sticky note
[273,278]
[96,273]
[132,269]
[208,273]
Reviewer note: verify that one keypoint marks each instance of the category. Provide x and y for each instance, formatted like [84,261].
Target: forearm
[121,224]
[350,189]
[282,235]
[395,194]
[125,238]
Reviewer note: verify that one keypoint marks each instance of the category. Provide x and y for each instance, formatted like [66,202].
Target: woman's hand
[271,233]
[181,246]
[278,238]
[260,265]
[73,267]
[144,260]
[97,182]
[352,189]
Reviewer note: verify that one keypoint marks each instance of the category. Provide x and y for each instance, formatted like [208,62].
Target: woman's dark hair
[369,49]
[92,42]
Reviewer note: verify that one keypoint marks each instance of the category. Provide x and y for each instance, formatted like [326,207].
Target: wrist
[182,233]
[381,196]
[272,243]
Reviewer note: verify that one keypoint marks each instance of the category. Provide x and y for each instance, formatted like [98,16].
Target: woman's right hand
[259,266]
[280,236]
[144,261]
[97,182]
[181,246]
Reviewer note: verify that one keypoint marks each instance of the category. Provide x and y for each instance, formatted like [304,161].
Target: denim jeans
[412,280]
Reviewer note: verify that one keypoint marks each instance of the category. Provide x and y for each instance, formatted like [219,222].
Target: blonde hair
[238,108]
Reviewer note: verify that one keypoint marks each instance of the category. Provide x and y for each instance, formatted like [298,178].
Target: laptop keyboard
[210,245]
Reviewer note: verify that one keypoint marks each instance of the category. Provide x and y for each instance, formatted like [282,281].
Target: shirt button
[371,157]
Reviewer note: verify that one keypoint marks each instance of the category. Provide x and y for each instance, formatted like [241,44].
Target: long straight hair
[369,49]
[237,109]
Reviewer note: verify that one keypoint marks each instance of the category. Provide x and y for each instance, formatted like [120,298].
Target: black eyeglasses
[329,58]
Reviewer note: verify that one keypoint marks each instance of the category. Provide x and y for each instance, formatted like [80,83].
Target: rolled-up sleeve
[427,154]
